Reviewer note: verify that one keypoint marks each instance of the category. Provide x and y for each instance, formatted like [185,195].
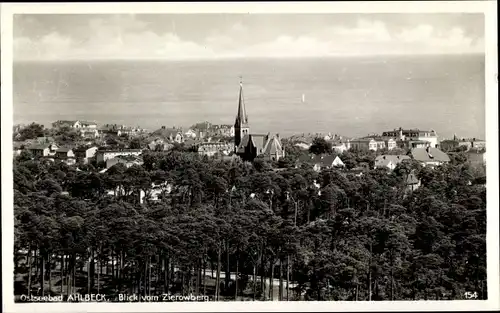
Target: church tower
[241,127]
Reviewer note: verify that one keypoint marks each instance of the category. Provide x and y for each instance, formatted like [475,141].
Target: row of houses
[178,135]
[209,129]
[467,143]
[396,138]
[429,157]
[92,130]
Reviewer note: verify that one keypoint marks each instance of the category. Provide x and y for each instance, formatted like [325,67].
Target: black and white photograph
[175,157]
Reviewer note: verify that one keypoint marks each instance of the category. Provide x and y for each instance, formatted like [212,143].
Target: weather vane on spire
[241,80]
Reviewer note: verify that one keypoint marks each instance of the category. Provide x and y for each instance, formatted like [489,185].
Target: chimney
[163,127]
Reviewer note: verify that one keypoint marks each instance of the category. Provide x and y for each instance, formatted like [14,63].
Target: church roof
[258,141]
[273,145]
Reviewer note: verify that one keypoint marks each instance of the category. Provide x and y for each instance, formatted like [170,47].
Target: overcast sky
[180,36]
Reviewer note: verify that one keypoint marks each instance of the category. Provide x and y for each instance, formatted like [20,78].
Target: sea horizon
[256,58]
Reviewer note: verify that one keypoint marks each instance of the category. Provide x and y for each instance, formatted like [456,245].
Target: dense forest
[330,235]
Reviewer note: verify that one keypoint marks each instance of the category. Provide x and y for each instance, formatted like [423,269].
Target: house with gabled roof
[127,160]
[85,153]
[104,155]
[412,182]
[66,123]
[320,162]
[170,134]
[43,150]
[389,161]
[362,144]
[429,156]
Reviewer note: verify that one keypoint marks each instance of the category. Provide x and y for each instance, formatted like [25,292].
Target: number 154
[470,295]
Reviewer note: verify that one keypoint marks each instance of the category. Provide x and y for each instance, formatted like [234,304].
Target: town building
[477,156]
[127,160]
[224,130]
[63,153]
[339,147]
[89,125]
[43,150]
[430,156]
[381,142]
[18,147]
[411,144]
[190,133]
[468,143]
[362,144]
[86,154]
[89,133]
[74,124]
[412,182]
[391,143]
[389,161]
[249,146]
[448,145]
[326,162]
[170,134]
[413,134]
[44,140]
[130,131]
[159,144]
[320,162]
[65,123]
[212,148]
[104,155]
[109,129]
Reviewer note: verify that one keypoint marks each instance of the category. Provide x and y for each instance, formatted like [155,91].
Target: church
[248,146]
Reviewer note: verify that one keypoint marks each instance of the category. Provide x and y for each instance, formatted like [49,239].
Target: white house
[43,149]
[389,161]
[211,149]
[85,154]
[190,133]
[321,162]
[401,134]
[89,132]
[362,144]
[74,124]
[127,160]
[339,147]
[104,155]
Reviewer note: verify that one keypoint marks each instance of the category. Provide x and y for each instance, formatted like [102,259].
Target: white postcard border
[489,8]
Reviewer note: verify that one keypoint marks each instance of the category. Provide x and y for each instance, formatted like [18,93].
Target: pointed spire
[242,114]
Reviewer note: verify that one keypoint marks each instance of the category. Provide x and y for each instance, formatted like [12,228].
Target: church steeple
[242,114]
[241,127]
